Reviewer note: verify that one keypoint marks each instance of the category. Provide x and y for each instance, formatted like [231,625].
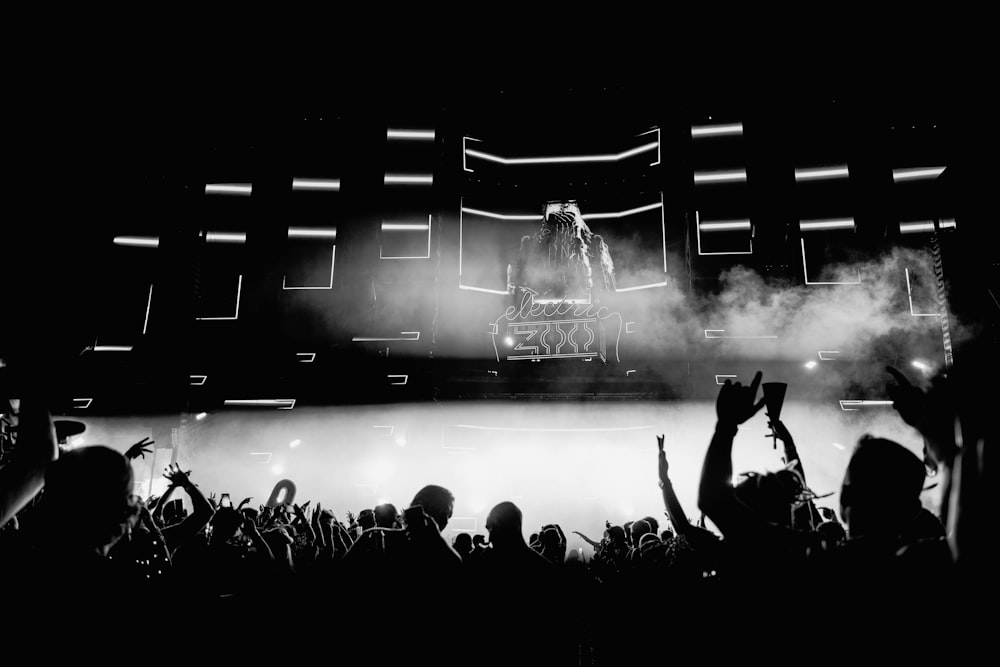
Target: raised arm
[675,512]
[200,516]
[734,406]
[24,476]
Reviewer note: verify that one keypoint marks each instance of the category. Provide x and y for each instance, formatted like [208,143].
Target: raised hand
[176,476]
[663,468]
[211,499]
[735,404]
[659,442]
[140,448]
[245,501]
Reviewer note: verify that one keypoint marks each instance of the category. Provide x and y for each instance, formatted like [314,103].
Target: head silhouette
[101,478]
[504,524]
[771,495]
[437,502]
[881,488]
[385,515]
[463,544]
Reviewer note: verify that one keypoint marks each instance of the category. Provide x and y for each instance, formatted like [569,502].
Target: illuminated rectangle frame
[236,316]
[805,271]
[333,259]
[697,227]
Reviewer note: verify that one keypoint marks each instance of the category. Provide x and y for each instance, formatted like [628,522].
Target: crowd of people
[76,544]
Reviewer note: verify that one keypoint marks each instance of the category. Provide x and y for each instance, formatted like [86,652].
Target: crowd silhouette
[386,583]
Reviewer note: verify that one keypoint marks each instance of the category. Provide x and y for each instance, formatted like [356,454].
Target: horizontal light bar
[728,225]
[482,289]
[112,348]
[722,331]
[639,287]
[427,135]
[405,378]
[821,173]
[316,184]
[405,335]
[731,176]
[916,174]
[854,405]
[716,130]
[280,403]
[827,352]
[226,237]
[913,227]
[622,214]
[500,216]
[312,233]
[409,179]
[243,189]
[829,223]
[608,157]
[138,241]
[399,227]
[948,224]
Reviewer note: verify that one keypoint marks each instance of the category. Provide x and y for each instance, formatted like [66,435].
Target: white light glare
[398,227]
[922,366]
[226,237]
[295,443]
[201,415]
[409,179]
[733,176]
[229,189]
[319,184]
[813,225]
[312,233]
[916,174]
[509,341]
[427,135]
[138,241]
[821,173]
[716,130]
[731,225]
[810,364]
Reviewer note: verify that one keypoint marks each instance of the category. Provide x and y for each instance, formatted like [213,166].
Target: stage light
[838,446]
[916,174]
[821,173]
[294,443]
[138,241]
[395,227]
[731,176]
[243,189]
[277,469]
[922,366]
[509,341]
[810,364]
[316,184]
[832,223]
[716,130]
[726,226]
[409,179]
[427,135]
[312,233]
[201,415]
[226,237]
[914,227]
